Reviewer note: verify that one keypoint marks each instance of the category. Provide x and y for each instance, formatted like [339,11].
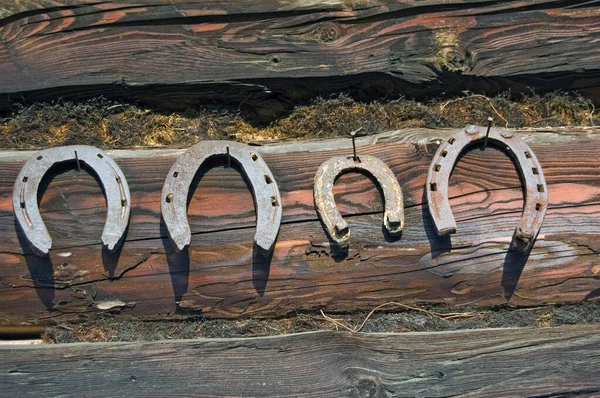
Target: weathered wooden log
[272,53]
[548,362]
[223,276]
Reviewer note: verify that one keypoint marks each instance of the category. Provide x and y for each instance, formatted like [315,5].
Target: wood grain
[223,276]
[276,53]
[550,362]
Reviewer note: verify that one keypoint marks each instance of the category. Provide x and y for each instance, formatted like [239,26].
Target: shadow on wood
[179,265]
[514,263]
[41,271]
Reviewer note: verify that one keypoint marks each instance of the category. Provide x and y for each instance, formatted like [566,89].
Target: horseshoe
[264,189]
[111,177]
[329,171]
[536,197]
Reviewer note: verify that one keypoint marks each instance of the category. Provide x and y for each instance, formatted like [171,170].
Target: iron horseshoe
[111,177]
[264,189]
[536,197]
[330,170]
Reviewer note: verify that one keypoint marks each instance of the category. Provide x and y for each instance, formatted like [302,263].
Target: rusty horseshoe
[536,197]
[264,189]
[110,175]
[330,170]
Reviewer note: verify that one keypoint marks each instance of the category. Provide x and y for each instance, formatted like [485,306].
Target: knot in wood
[328,32]
[449,53]
[368,388]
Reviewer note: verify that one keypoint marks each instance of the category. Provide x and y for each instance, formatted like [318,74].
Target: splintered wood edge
[530,135]
[536,332]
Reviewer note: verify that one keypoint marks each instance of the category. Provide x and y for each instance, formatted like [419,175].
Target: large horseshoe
[329,171]
[111,177]
[536,197]
[264,189]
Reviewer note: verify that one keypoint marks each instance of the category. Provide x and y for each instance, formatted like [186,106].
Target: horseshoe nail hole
[540,187]
[253,156]
[100,156]
[538,207]
[169,197]
[444,153]
[437,167]
[274,201]
[527,155]
[123,202]
[451,140]
[39,157]
[118,180]
[22,205]
[268,179]
[433,186]
[342,232]
[175,174]
[534,170]
[25,179]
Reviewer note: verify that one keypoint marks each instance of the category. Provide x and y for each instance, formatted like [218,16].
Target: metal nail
[77,160]
[353,135]
[487,133]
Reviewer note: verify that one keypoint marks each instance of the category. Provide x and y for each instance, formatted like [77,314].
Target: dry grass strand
[110,124]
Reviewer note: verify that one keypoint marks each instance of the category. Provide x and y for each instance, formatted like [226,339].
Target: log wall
[552,362]
[222,275]
[273,53]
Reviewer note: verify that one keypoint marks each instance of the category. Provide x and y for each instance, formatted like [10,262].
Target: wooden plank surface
[547,362]
[223,276]
[273,52]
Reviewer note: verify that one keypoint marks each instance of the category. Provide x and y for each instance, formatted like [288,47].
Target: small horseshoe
[329,171]
[111,177]
[536,198]
[264,189]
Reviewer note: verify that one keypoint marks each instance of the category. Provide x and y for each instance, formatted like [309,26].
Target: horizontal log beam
[274,53]
[221,275]
[561,361]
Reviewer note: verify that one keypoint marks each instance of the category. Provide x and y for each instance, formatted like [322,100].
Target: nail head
[472,129]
